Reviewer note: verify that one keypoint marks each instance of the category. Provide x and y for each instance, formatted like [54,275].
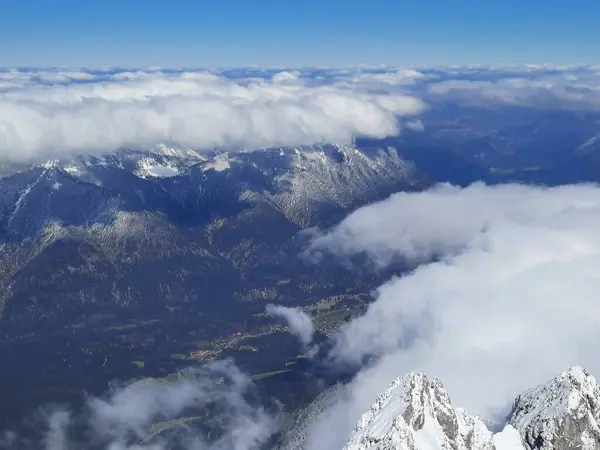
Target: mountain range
[131,255]
[415,413]
[226,218]
[125,257]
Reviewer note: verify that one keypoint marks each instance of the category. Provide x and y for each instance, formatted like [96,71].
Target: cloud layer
[299,322]
[547,91]
[510,302]
[53,113]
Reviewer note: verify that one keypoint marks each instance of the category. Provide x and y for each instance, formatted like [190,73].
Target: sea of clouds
[54,113]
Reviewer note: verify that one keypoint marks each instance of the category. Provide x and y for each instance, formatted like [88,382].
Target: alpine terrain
[415,413]
[133,263]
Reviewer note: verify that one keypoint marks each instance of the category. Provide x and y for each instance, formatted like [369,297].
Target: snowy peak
[415,413]
[561,414]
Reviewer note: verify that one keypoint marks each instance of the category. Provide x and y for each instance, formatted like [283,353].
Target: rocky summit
[415,413]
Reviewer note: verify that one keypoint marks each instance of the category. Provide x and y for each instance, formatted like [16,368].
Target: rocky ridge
[415,413]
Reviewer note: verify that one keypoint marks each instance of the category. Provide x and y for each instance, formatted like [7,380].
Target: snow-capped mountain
[211,216]
[561,414]
[415,413]
[299,183]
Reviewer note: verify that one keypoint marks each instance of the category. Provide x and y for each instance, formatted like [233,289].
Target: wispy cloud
[540,87]
[127,418]
[505,296]
[299,322]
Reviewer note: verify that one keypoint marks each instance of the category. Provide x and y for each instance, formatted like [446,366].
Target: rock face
[561,414]
[415,413]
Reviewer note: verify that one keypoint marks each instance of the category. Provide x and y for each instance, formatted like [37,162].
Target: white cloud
[56,436]
[511,302]
[569,88]
[124,419]
[286,77]
[299,322]
[382,77]
[415,125]
[52,113]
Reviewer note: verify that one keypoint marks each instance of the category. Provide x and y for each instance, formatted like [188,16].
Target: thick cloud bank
[52,113]
[511,301]
[299,322]
[155,415]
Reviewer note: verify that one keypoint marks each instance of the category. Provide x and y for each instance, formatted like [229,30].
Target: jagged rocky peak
[415,413]
[561,414]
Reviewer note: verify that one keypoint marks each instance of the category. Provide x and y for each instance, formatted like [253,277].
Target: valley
[140,264]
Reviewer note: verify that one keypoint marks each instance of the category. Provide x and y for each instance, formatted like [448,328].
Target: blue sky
[297,33]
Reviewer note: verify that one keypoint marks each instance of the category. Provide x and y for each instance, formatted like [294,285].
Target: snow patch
[150,167]
[162,171]
[165,150]
[219,163]
[72,170]
[508,439]
[50,164]
[589,143]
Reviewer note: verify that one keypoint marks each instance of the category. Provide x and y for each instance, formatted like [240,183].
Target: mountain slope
[240,211]
[137,255]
